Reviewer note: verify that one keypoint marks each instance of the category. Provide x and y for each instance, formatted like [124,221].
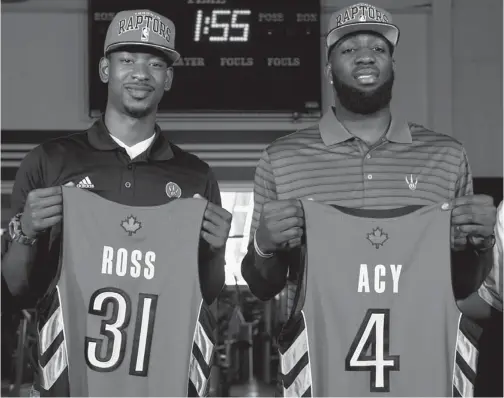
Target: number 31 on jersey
[373,333]
[107,358]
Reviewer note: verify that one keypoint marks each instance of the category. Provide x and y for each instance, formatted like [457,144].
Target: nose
[141,72]
[365,57]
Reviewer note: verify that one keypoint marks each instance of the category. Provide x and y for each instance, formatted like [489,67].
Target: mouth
[366,75]
[139,91]
[141,87]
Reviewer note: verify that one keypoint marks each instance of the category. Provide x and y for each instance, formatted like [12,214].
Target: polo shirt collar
[333,132]
[99,137]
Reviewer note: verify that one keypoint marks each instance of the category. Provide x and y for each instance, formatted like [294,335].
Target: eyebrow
[352,41]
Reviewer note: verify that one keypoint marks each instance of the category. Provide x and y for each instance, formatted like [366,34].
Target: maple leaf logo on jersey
[131,225]
[377,237]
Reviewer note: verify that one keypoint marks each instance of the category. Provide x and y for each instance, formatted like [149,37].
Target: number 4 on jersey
[374,332]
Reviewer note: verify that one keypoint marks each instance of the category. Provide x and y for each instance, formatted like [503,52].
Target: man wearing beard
[360,156]
[360,100]
[125,158]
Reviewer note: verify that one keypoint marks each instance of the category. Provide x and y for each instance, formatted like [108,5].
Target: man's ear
[104,69]
[328,72]
[168,79]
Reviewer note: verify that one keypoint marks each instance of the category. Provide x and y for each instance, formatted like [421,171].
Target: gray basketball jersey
[127,317]
[376,311]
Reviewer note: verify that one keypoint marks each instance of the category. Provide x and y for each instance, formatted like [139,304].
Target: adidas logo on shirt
[85,183]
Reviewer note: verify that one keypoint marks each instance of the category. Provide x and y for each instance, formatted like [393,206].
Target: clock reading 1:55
[225,20]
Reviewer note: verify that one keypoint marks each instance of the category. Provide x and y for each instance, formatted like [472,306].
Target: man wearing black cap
[360,156]
[127,160]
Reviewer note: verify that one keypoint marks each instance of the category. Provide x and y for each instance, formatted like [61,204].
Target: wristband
[259,252]
[16,233]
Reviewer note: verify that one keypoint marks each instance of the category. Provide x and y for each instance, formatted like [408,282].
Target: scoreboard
[237,56]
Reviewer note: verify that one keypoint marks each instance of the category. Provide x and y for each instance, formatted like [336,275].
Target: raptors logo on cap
[361,17]
[144,28]
[361,13]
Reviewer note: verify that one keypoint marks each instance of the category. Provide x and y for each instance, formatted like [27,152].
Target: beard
[122,102]
[139,109]
[137,113]
[363,102]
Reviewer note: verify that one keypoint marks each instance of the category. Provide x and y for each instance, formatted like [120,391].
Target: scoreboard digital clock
[213,22]
[237,56]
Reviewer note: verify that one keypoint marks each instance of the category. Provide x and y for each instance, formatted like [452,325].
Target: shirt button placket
[128,180]
[367,176]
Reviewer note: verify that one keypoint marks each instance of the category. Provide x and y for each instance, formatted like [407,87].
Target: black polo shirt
[96,156]
[93,156]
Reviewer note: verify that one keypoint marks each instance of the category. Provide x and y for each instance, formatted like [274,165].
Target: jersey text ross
[122,262]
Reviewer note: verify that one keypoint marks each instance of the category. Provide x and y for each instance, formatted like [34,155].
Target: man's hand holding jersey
[216,225]
[281,226]
[43,209]
[473,221]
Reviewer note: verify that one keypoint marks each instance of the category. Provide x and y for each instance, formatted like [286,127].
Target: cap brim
[390,32]
[172,55]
